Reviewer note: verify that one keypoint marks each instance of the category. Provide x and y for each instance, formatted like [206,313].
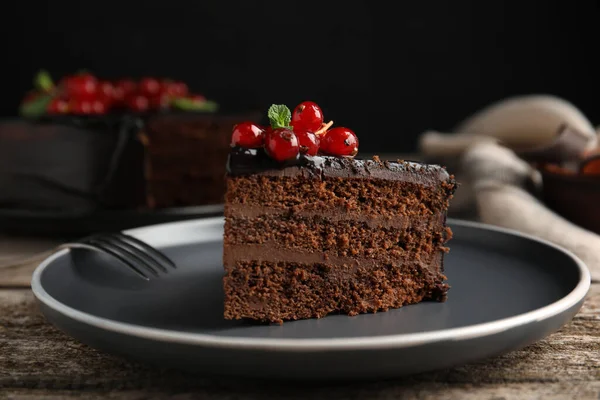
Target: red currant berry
[180,89]
[247,135]
[123,88]
[126,85]
[282,144]
[159,101]
[106,90]
[175,88]
[267,130]
[82,86]
[307,115]
[58,107]
[339,142]
[106,94]
[308,141]
[81,106]
[149,87]
[99,107]
[137,103]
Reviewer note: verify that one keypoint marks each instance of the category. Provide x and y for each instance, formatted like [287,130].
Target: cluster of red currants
[300,132]
[86,94]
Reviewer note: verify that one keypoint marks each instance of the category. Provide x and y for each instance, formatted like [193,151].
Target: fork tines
[145,247]
[136,254]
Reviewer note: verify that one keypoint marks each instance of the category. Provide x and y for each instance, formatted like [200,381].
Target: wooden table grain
[39,362]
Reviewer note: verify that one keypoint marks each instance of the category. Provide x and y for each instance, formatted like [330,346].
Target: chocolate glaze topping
[256,162]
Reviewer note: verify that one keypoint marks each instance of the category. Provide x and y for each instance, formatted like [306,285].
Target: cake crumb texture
[305,246]
[276,292]
[346,238]
[355,195]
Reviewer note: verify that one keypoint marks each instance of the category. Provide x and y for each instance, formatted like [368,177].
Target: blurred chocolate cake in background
[70,164]
[85,144]
[185,157]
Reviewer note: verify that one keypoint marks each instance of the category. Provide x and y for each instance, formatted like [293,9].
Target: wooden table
[39,362]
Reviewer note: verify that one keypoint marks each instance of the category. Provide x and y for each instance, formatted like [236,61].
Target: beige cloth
[496,183]
[497,179]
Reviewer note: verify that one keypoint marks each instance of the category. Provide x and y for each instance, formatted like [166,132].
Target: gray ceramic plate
[508,290]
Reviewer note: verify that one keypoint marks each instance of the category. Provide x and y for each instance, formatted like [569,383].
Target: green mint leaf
[43,81]
[36,107]
[187,104]
[279,116]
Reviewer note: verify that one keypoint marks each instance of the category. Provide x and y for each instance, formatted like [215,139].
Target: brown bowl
[574,196]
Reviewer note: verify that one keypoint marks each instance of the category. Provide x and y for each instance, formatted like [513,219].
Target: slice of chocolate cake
[320,234]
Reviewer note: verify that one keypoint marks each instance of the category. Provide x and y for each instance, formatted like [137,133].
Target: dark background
[386,70]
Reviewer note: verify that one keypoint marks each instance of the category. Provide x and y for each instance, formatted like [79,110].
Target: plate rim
[578,293]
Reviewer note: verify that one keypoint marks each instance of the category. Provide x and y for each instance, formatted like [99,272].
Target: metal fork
[140,257]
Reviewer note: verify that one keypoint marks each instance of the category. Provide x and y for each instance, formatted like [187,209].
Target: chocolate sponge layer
[280,291]
[346,238]
[357,196]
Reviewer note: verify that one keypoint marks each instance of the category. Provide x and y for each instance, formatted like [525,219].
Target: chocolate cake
[74,165]
[82,164]
[321,234]
[86,144]
[185,157]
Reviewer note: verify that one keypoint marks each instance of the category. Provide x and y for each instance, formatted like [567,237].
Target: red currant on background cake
[106,95]
[80,106]
[247,135]
[100,106]
[307,115]
[58,106]
[339,141]
[149,87]
[137,102]
[308,141]
[122,89]
[126,86]
[81,86]
[282,144]
[159,101]
[106,90]
[174,88]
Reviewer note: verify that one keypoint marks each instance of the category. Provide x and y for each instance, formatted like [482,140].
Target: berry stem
[324,128]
